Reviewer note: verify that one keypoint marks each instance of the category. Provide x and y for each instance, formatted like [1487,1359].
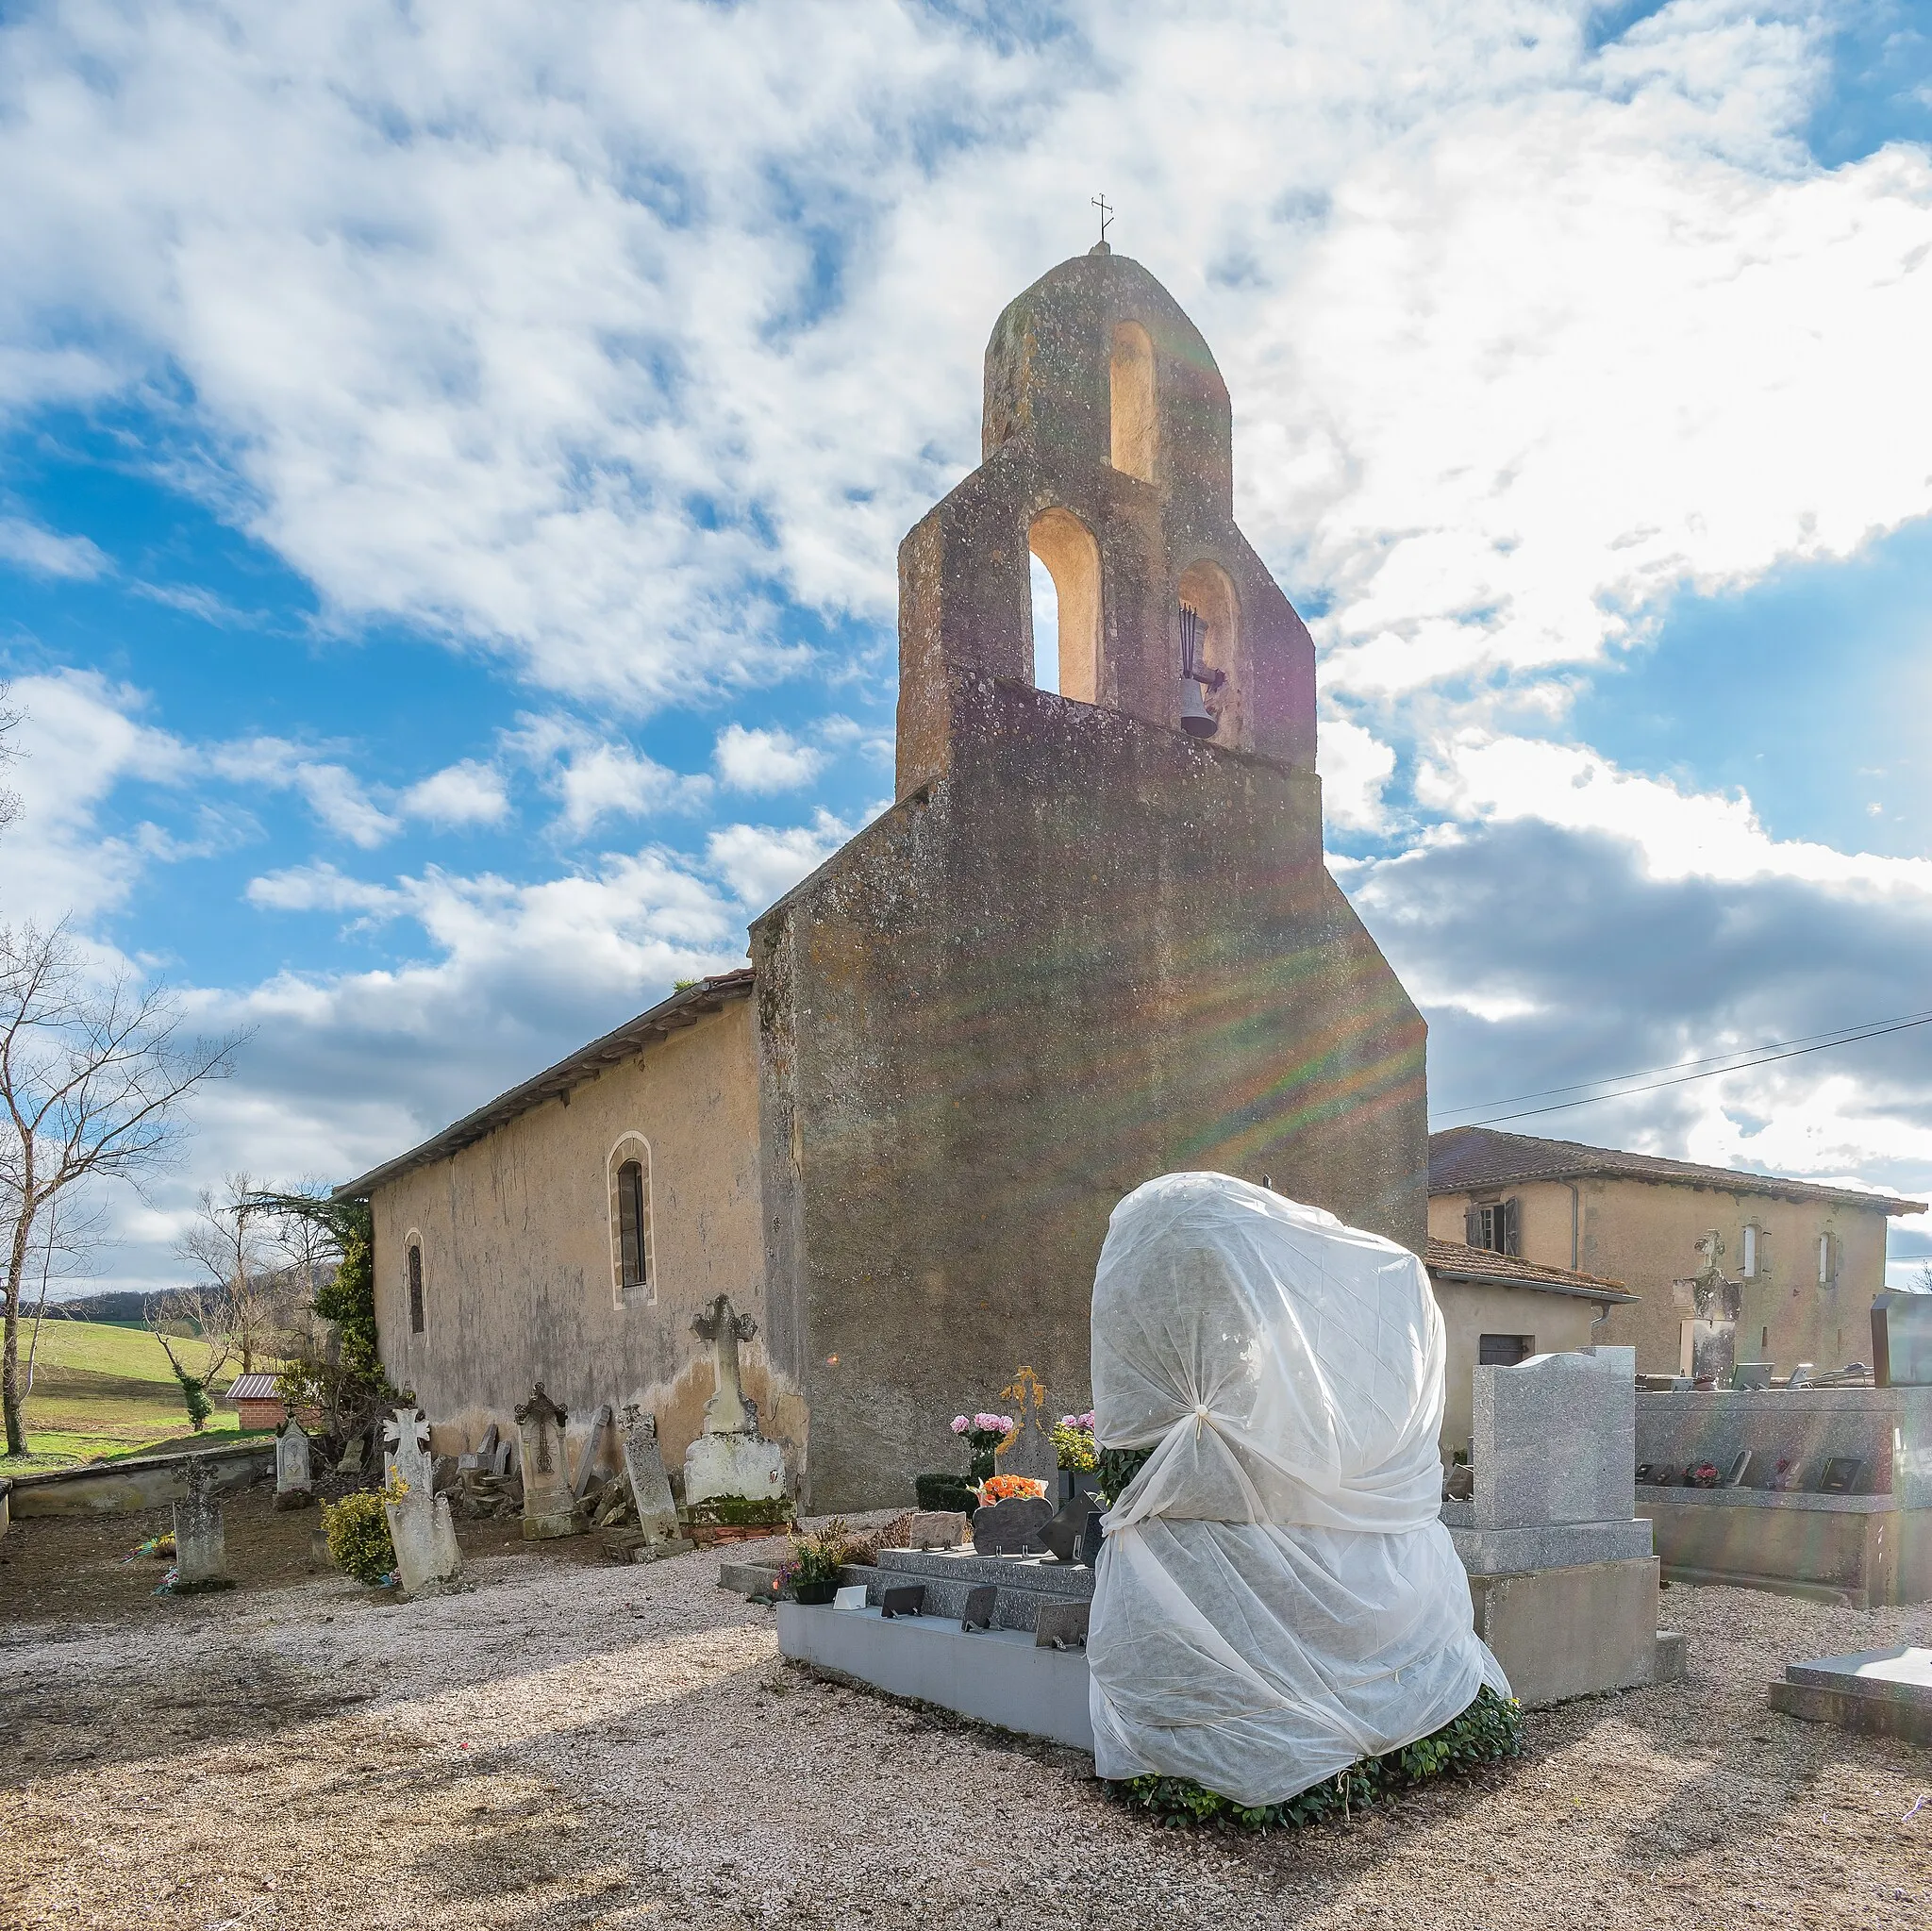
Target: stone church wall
[517,1241]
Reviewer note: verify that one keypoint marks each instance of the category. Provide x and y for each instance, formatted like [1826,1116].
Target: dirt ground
[570,1744]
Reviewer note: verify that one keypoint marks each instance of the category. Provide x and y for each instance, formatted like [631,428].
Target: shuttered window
[415,1288]
[1494,1227]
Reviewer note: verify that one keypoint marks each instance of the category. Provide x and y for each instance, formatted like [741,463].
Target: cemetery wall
[1093,952]
[518,1256]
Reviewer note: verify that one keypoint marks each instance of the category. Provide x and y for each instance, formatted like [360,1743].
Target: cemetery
[563,1628]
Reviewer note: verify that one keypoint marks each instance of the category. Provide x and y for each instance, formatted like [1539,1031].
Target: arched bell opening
[1210,653]
[1064,545]
[1134,421]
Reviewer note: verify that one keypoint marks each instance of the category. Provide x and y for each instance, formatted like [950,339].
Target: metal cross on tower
[1099,201]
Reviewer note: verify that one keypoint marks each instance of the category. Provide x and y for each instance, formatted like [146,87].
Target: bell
[1195,720]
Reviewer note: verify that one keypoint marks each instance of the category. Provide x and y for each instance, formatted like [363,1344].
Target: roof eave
[683,1009]
[1576,1291]
[1795,1191]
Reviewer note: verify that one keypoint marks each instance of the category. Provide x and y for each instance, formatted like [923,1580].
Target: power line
[1713,1072]
[1842,1036]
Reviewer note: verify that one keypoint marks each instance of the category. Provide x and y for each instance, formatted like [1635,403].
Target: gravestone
[1554,1439]
[650,1487]
[1012,1527]
[292,1478]
[594,1449]
[932,1528]
[548,1503]
[420,1522]
[730,1458]
[201,1553]
[1901,1340]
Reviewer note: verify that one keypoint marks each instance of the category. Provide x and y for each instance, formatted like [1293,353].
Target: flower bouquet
[1072,1441]
[998,1488]
[984,1433]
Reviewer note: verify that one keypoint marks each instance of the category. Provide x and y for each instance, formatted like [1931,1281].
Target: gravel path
[569,1745]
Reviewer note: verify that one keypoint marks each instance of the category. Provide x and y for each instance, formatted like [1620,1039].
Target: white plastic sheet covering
[1276,1596]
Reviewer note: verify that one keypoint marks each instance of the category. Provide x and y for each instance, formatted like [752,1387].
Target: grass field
[101,1390]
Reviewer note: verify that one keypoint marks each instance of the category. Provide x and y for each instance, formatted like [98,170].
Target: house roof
[252,1388]
[683,1009]
[1450,1260]
[1466,1159]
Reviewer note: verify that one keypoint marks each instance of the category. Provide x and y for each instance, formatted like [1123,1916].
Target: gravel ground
[563,1744]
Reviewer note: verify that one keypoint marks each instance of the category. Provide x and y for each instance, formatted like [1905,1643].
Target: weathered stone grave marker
[201,1551]
[420,1523]
[650,1487]
[294,1487]
[730,1458]
[549,1507]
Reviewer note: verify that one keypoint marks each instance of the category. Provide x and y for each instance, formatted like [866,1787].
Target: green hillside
[103,1389]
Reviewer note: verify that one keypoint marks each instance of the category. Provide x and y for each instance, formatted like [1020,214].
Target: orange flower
[1006,1487]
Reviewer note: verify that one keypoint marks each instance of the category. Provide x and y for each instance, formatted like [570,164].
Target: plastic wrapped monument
[1276,1596]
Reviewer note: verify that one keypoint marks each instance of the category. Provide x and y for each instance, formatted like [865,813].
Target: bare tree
[192,1314]
[93,1080]
[9,721]
[228,1243]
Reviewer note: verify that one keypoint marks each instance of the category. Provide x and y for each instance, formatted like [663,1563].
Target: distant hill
[124,1309]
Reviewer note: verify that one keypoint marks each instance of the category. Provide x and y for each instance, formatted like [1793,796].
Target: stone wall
[518,1256]
[1094,951]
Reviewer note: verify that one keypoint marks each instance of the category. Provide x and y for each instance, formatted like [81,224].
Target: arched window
[1205,590]
[1065,545]
[1135,424]
[415,1264]
[632,1275]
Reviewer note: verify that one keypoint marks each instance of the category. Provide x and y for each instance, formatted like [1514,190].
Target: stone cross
[201,1555]
[420,1522]
[727,1412]
[293,1478]
[548,1503]
[649,1485]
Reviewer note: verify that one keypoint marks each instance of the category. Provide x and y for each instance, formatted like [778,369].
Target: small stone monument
[730,1458]
[201,1555]
[292,1479]
[549,1507]
[420,1523]
[601,1423]
[650,1487]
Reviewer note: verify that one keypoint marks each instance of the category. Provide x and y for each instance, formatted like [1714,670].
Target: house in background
[1499,1310]
[1792,1263]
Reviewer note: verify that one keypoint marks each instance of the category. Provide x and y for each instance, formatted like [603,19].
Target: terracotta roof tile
[1453,1261]
[1467,1159]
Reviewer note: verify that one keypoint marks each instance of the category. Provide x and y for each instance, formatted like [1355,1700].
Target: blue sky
[452,461]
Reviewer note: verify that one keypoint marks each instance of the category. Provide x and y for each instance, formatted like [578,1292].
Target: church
[1092,941]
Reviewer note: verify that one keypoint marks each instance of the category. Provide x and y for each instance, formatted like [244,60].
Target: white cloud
[44,553]
[765,761]
[598,369]
[463,793]
[762,864]
[1356,766]
[332,791]
[1680,834]
[322,888]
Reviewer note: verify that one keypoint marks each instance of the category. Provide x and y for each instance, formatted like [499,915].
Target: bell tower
[1107,453]
[1090,942]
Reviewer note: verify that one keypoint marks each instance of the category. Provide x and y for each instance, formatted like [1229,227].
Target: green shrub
[1487,1731]
[357,1533]
[1118,1467]
[945,1492]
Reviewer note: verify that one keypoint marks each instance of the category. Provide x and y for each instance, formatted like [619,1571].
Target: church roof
[1466,1158]
[684,1008]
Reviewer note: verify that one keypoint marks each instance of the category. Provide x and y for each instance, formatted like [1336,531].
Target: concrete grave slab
[1884,1693]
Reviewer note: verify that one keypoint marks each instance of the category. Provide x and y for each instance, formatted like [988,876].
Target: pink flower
[961,1425]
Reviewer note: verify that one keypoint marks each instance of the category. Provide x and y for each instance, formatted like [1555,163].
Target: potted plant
[811,1576]
[1077,1456]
